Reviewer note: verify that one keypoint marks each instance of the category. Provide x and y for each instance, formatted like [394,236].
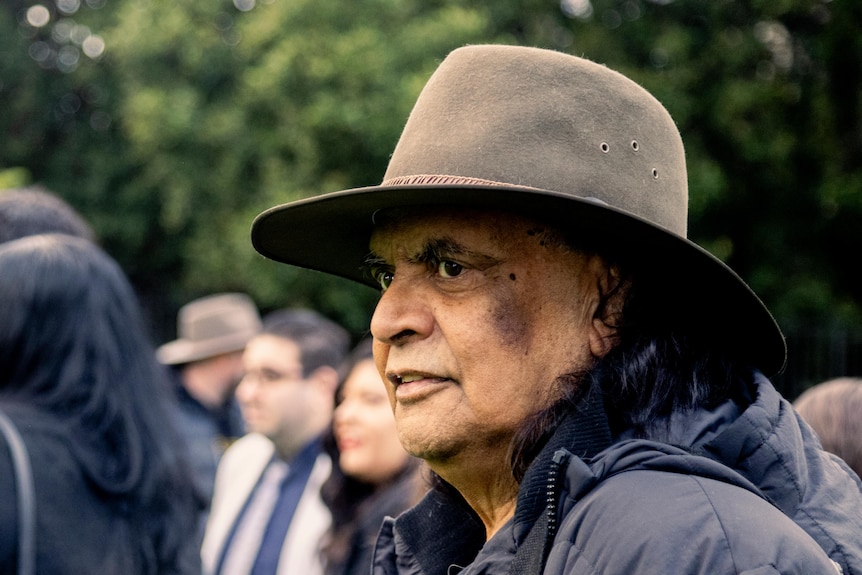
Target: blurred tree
[231,110]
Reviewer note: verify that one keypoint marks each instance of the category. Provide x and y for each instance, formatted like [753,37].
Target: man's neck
[203,390]
[488,488]
[288,450]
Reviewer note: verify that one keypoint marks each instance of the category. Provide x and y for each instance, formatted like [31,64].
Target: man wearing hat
[207,359]
[267,515]
[589,386]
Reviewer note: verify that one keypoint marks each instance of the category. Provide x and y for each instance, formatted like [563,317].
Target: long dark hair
[661,363]
[73,345]
[349,499]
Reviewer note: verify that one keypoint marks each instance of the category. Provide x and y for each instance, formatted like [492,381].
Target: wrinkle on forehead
[496,226]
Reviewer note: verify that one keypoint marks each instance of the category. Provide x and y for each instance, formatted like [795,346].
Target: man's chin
[256,427]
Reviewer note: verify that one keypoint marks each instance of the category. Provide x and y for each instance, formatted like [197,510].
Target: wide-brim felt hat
[210,326]
[557,138]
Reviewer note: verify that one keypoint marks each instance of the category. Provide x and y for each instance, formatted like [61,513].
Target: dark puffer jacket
[748,490]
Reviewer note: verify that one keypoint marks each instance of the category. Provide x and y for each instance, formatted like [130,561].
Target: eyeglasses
[268,377]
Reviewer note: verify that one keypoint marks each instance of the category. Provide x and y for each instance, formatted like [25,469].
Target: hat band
[441,180]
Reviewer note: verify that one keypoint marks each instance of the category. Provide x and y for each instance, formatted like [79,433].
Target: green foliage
[14,178]
[228,113]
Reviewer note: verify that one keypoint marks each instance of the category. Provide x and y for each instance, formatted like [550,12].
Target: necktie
[249,532]
[292,487]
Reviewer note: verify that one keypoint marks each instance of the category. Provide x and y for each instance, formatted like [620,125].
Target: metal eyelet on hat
[655,173]
[605,147]
[635,145]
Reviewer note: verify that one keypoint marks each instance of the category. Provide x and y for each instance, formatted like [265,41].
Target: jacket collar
[584,431]
[442,530]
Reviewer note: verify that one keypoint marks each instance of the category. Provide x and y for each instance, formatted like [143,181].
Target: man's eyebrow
[372,261]
[431,251]
[434,251]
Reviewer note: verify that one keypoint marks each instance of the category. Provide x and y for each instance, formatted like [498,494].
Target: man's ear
[326,378]
[602,338]
[603,329]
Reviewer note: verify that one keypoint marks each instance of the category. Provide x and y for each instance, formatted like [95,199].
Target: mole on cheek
[512,277]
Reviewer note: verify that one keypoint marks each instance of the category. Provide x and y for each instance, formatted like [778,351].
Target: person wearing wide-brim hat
[206,361]
[590,386]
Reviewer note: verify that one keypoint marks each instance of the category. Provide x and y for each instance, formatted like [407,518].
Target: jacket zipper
[552,495]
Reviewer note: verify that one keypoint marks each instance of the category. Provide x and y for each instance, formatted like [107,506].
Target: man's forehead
[420,236]
[451,230]
[264,342]
[269,351]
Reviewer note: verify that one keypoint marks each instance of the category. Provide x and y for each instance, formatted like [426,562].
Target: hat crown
[211,326]
[218,316]
[542,119]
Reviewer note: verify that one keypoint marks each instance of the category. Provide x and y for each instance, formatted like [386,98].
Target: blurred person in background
[267,516]
[35,210]
[373,477]
[834,409]
[79,379]
[206,361]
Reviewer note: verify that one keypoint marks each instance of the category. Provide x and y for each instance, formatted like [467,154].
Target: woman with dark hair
[372,475]
[79,380]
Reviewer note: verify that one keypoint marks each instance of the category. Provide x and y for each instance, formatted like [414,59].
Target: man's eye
[449,269]
[384,278]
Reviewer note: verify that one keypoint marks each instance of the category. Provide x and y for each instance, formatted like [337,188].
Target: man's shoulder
[238,472]
[670,519]
[250,449]
[252,443]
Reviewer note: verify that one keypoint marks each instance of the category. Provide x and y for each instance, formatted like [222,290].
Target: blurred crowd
[247,444]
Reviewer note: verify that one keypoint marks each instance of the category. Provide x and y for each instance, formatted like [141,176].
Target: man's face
[481,316]
[275,399]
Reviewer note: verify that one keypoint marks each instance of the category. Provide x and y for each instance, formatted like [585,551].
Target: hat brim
[182,351]
[330,233]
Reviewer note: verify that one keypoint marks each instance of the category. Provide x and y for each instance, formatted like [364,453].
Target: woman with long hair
[372,475]
[79,379]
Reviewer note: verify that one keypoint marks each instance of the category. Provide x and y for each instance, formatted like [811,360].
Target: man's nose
[403,312]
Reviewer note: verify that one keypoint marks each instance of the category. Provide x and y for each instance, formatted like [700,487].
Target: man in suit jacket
[205,361]
[267,517]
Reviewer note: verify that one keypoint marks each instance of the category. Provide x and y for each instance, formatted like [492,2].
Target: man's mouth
[411,387]
[397,379]
[348,444]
